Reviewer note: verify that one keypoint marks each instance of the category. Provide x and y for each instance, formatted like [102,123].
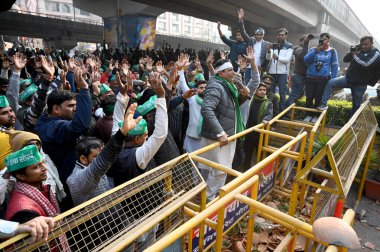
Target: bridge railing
[67,18]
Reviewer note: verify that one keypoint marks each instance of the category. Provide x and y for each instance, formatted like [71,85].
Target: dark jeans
[280,80]
[341,82]
[298,85]
[314,90]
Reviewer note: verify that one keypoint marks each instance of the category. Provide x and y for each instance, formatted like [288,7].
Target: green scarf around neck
[263,107]
[235,96]
[200,123]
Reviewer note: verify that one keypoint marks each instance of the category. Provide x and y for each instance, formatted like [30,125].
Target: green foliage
[283,208]
[338,111]
[319,143]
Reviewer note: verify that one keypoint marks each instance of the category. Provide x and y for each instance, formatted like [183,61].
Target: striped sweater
[87,182]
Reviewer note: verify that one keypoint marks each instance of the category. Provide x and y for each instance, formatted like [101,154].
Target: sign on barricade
[235,210]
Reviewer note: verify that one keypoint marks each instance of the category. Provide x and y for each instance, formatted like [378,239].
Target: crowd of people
[73,127]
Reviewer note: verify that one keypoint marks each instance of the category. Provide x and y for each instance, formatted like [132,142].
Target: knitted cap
[18,139]
[260,30]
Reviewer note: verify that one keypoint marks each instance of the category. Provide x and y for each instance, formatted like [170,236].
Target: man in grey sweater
[222,118]
[88,178]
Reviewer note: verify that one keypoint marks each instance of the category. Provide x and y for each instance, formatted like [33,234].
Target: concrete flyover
[298,16]
[56,32]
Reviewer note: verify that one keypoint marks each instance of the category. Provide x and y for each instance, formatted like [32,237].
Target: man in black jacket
[299,75]
[364,70]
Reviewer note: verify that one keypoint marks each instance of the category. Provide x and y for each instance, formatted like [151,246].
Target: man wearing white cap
[221,118]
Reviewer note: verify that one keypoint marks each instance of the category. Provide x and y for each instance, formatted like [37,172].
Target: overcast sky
[368,11]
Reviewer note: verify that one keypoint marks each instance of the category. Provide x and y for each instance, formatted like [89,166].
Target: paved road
[366,229]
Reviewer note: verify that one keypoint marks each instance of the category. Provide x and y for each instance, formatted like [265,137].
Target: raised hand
[210,58]
[129,123]
[173,78]
[71,64]
[149,64]
[65,83]
[122,87]
[170,66]
[218,26]
[95,76]
[181,60]
[79,80]
[125,67]
[250,55]
[241,14]
[159,67]
[223,55]
[242,62]
[19,60]
[156,84]
[48,67]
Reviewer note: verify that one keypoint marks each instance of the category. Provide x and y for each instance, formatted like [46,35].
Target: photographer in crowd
[299,73]
[279,54]
[364,69]
[322,65]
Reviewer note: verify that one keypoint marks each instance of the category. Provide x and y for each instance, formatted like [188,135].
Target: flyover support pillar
[133,29]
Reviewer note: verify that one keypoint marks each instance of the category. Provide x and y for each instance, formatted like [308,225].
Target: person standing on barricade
[364,69]
[258,44]
[221,118]
[322,65]
[299,74]
[279,55]
[237,47]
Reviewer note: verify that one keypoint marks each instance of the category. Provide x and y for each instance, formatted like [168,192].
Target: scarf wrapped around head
[224,66]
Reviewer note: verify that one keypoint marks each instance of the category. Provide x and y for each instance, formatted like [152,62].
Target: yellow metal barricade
[130,216]
[339,162]
[292,128]
[293,225]
[265,169]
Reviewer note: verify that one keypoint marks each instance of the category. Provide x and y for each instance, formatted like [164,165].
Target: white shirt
[145,152]
[257,52]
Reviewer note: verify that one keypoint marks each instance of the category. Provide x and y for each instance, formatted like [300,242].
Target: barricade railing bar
[142,210]
[291,157]
[293,225]
[339,162]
